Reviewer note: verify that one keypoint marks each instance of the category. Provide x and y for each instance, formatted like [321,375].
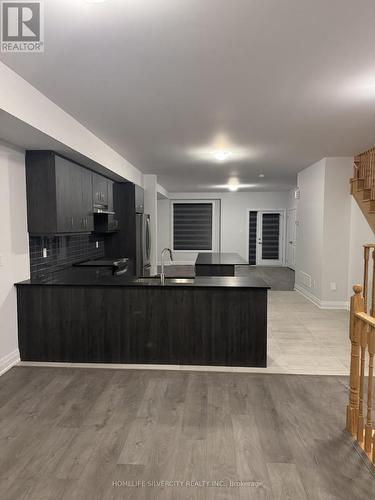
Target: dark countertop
[95,277]
[220,259]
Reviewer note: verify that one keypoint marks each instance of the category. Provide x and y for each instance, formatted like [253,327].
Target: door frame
[289,210]
[282,212]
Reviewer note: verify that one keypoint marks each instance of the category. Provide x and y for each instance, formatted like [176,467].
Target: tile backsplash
[62,252]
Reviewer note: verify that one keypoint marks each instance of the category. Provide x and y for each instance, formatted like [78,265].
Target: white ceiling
[283,83]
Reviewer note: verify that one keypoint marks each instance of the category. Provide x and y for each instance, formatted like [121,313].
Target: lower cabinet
[223,326]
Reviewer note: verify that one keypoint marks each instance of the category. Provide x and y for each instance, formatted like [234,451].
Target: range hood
[102,209]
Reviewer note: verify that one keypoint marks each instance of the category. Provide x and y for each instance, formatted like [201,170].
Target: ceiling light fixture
[261,175]
[221,154]
[233,184]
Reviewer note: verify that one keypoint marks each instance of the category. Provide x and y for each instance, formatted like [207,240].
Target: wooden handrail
[366,318]
[359,418]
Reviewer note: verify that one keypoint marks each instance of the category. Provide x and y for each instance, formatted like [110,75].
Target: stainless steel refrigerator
[143,250]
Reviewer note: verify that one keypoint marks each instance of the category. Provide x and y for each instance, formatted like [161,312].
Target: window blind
[192,226]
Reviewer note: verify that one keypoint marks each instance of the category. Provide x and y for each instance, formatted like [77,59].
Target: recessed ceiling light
[233,184]
[221,154]
[261,175]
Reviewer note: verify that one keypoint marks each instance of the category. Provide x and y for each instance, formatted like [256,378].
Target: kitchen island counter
[218,264]
[84,317]
[93,277]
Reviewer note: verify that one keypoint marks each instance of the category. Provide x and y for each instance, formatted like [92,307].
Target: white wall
[14,249]
[309,237]
[336,236]
[150,201]
[323,231]
[234,218]
[25,102]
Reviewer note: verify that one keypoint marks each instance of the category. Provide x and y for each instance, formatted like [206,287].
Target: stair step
[369,204]
[366,194]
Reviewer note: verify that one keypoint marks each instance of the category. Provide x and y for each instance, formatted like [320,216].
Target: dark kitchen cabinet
[110,194]
[59,194]
[128,200]
[99,189]
[86,210]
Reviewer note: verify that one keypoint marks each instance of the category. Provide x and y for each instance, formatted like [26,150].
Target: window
[192,226]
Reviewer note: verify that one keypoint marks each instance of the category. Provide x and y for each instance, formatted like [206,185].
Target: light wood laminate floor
[302,339]
[82,434]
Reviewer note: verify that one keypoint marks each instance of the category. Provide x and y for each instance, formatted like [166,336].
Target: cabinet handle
[72,222]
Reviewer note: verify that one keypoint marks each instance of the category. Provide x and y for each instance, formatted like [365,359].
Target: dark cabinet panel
[99,189]
[143,325]
[86,215]
[68,196]
[59,194]
[41,192]
[127,201]
[110,194]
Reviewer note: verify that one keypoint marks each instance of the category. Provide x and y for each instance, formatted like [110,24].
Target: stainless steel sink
[180,281]
[151,280]
[155,280]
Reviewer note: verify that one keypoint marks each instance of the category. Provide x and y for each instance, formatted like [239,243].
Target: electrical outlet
[96,244]
[333,286]
[45,253]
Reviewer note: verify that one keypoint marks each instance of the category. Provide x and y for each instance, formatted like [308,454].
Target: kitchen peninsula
[84,315]
[218,264]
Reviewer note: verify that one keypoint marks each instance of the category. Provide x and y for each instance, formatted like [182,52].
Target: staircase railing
[364,169]
[359,415]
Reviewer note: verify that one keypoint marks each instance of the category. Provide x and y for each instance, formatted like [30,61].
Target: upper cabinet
[59,194]
[99,189]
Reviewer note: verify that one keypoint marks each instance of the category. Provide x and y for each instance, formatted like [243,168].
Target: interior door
[291,239]
[270,238]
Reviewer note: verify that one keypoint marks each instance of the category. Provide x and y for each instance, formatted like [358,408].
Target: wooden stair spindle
[356,305]
[361,419]
[372,310]
[366,255]
[371,351]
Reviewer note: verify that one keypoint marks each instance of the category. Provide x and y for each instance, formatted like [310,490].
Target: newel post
[356,305]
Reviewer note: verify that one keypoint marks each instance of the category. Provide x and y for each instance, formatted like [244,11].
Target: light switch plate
[45,253]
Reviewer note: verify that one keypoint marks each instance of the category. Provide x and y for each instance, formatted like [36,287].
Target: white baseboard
[328,304]
[8,361]
[322,304]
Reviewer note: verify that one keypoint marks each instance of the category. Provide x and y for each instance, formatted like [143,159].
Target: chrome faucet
[162,275]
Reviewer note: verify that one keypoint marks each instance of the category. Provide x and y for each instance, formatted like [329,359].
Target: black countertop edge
[199,282]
